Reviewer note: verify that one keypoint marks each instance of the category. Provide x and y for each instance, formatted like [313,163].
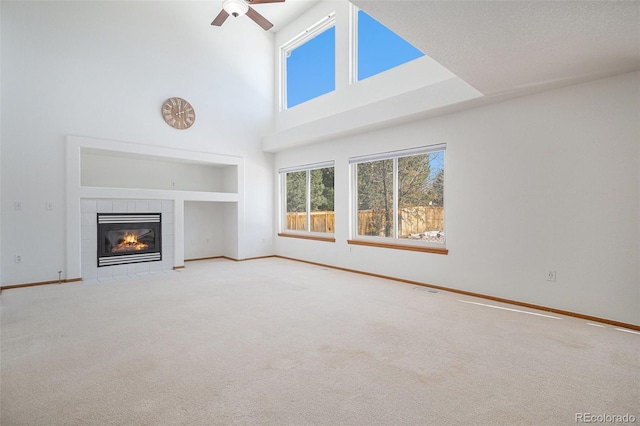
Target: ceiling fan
[243,7]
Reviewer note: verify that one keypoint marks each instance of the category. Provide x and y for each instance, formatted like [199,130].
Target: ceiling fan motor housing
[235,8]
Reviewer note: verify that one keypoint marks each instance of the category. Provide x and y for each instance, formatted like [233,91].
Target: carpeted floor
[278,342]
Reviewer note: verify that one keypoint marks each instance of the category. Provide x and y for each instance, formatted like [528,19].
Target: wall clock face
[178,113]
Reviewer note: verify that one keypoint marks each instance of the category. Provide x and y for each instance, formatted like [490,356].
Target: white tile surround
[89,208]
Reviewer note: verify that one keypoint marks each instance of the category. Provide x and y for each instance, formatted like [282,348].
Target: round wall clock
[178,113]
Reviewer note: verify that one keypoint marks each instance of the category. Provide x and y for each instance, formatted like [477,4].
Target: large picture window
[399,197]
[307,199]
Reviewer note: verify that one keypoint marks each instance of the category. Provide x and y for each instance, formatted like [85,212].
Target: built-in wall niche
[110,169]
[205,229]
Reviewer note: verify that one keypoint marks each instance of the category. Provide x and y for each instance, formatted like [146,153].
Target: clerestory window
[308,61]
[308,64]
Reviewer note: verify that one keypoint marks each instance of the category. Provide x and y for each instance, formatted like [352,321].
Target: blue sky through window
[311,68]
[379,48]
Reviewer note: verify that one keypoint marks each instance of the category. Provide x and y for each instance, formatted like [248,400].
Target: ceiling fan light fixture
[235,8]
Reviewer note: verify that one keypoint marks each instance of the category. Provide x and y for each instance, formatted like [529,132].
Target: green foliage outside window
[322,190]
[319,217]
[418,213]
[297,192]
[375,194]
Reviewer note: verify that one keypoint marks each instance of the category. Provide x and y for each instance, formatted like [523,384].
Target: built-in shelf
[157,194]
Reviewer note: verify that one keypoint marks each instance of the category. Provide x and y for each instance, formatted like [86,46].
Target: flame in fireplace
[129,243]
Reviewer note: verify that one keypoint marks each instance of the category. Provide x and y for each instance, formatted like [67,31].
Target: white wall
[204,225]
[547,181]
[103,69]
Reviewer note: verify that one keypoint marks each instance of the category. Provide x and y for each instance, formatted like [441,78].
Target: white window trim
[283,198]
[313,166]
[400,153]
[390,155]
[300,39]
[353,44]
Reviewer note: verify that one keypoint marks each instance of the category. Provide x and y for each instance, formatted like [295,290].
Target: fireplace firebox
[125,238]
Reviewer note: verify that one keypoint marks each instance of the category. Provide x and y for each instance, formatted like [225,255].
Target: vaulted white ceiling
[280,14]
[509,47]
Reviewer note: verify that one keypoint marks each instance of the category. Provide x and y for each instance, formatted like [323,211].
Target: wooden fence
[421,219]
[413,220]
[320,221]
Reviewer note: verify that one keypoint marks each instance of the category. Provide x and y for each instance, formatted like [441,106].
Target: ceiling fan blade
[259,19]
[222,16]
[264,1]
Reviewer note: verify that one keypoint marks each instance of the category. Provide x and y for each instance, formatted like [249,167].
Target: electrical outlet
[18,258]
[551,275]
[17,205]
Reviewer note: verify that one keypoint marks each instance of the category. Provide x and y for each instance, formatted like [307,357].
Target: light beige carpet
[278,342]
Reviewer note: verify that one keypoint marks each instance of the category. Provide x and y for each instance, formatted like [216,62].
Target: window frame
[285,50]
[393,241]
[353,44]
[308,233]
